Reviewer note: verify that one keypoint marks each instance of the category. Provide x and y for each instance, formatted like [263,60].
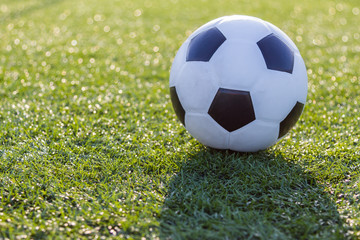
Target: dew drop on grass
[4,8]
[137,12]
[356,11]
[98,18]
[156,28]
[107,29]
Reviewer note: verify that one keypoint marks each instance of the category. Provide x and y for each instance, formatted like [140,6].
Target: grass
[91,148]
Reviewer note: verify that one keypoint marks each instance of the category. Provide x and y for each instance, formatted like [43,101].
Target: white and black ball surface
[238,83]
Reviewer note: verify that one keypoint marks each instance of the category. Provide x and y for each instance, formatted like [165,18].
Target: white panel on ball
[197,87]
[255,136]
[243,27]
[178,63]
[274,96]
[206,130]
[238,64]
[300,76]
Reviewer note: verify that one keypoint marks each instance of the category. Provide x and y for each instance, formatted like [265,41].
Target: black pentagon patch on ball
[204,45]
[232,109]
[290,119]
[278,56]
[179,110]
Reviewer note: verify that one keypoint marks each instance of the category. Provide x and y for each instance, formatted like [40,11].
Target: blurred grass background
[91,148]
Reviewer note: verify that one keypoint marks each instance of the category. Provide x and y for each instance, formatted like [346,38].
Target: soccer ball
[238,83]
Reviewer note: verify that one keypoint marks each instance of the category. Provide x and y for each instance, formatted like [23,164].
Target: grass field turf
[91,148]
